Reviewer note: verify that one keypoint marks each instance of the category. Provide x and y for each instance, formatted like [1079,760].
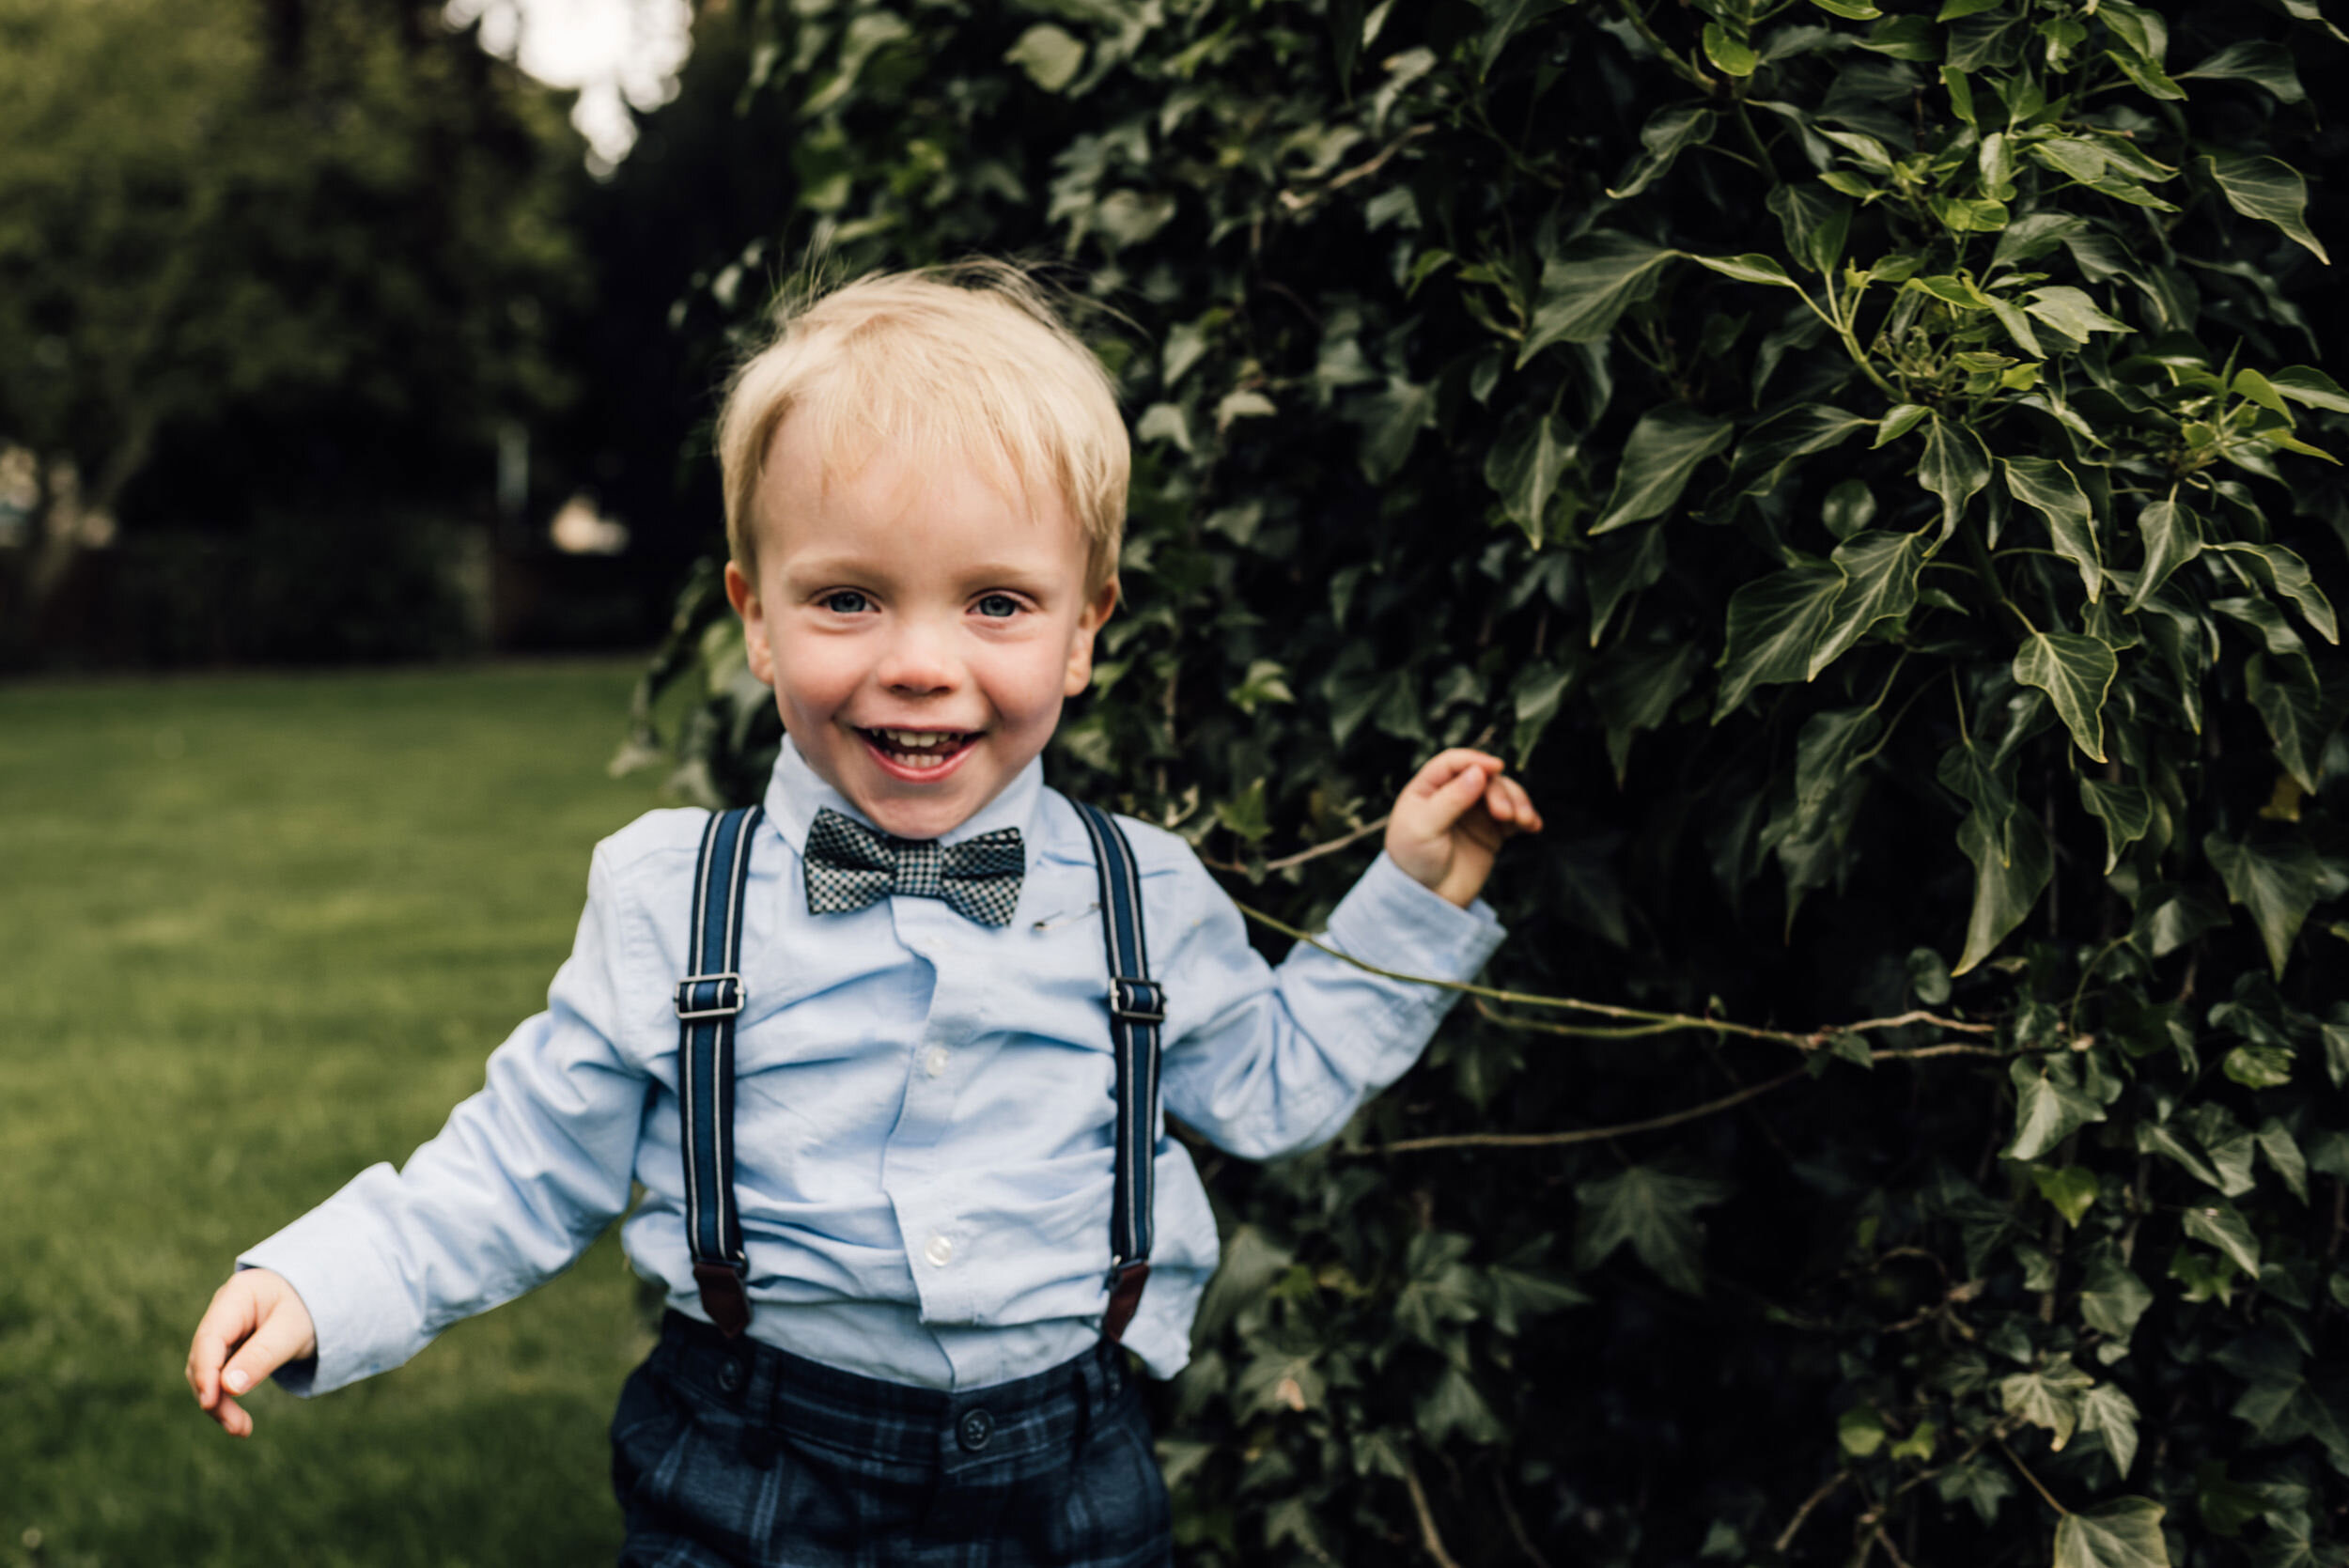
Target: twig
[1793,1526]
[1292,204]
[1427,1535]
[1885,1542]
[2032,1478]
[1812,1040]
[1303,855]
[1587,1135]
[1516,1524]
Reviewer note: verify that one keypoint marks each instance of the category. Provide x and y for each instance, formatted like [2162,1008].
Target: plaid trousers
[735,1455]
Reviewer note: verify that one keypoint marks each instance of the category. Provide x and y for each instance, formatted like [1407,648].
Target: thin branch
[1793,1526]
[1516,1524]
[1293,203]
[1885,1542]
[1303,855]
[1588,1135]
[2032,1478]
[1427,1535]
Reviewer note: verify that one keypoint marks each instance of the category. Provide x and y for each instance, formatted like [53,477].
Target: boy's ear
[743,595]
[1089,622]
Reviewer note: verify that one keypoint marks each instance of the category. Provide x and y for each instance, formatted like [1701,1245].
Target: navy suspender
[1137,1007]
[709,999]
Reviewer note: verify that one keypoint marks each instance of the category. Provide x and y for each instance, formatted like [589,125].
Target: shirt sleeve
[524,1175]
[1265,1061]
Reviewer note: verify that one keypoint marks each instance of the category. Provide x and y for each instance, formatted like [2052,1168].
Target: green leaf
[2284,1154]
[1730,54]
[2272,876]
[2012,865]
[2259,1066]
[1775,444]
[2256,60]
[2071,312]
[1664,449]
[2292,708]
[1669,133]
[2111,1414]
[2125,810]
[1827,749]
[1955,467]
[1749,268]
[1898,423]
[2123,1534]
[1652,1208]
[1850,10]
[2048,487]
[2172,537]
[1860,1431]
[2154,1139]
[1587,285]
[2048,1396]
[1392,420]
[1816,221]
[1880,573]
[2072,1191]
[1049,55]
[2047,1109]
[2076,670]
[1774,624]
[2300,383]
[1525,466]
[1620,572]
[2112,1298]
[2222,1226]
[2287,575]
[2267,189]
[2150,78]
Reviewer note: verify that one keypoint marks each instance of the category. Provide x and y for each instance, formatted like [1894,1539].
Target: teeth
[917,741]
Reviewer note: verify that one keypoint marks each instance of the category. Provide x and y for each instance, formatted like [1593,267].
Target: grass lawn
[257,933]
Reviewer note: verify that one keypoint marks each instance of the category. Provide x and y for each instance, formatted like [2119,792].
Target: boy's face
[921,629]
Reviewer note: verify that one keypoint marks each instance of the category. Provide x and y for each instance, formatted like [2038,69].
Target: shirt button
[729,1374]
[975,1429]
[939,1252]
[934,1063]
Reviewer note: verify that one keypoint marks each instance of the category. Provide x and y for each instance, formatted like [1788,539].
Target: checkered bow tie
[849,865]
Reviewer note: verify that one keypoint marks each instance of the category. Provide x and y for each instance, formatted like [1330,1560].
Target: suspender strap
[707,999]
[1136,1008]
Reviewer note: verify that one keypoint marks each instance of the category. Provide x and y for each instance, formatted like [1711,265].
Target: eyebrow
[986,574]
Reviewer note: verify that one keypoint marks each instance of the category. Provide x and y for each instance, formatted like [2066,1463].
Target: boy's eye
[998,606]
[847,602]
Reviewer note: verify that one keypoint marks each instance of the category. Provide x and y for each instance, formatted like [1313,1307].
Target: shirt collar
[794,794]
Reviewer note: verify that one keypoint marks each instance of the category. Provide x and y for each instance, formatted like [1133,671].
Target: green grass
[257,933]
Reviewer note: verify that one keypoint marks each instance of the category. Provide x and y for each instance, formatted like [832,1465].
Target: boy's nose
[917,662]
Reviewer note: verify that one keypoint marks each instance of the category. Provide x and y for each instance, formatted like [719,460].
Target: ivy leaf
[1049,55]
[2071,312]
[2048,487]
[2112,1298]
[2125,810]
[1730,54]
[2255,60]
[2292,708]
[1774,623]
[1652,1208]
[1772,446]
[2172,537]
[1751,268]
[2287,575]
[2123,1534]
[1455,1405]
[2111,1414]
[1664,449]
[1824,753]
[1525,465]
[2273,876]
[1955,467]
[2282,1152]
[2301,383]
[2269,189]
[2012,865]
[2222,1226]
[2047,1111]
[1587,285]
[1620,572]
[1392,420]
[1879,583]
[1669,133]
[2071,1191]
[2048,1396]
[1816,221]
[2076,670]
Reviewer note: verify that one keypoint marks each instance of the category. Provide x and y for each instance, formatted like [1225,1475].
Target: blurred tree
[257,255]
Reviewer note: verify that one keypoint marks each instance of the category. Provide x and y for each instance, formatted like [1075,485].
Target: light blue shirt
[923,1108]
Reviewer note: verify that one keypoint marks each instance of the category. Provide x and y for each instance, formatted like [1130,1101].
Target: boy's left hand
[1450,819]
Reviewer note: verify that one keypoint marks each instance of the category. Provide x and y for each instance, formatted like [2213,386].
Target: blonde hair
[968,360]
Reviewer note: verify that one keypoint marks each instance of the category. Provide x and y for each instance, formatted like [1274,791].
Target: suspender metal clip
[710,996]
[1136,1000]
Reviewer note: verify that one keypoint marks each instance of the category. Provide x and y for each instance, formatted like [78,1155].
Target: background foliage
[1861,463]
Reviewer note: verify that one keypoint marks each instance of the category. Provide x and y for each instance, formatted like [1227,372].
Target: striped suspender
[1136,1008]
[707,1001]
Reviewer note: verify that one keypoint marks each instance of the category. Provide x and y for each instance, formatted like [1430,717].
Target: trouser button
[975,1429]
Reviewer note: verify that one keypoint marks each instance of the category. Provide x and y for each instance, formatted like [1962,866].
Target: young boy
[925,482]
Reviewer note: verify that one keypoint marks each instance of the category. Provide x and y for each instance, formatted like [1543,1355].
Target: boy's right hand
[258,1316]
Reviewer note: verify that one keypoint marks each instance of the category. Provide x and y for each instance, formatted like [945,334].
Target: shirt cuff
[1392,921]
[332,1259]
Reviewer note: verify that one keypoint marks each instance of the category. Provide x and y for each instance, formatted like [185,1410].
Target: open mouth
[919,751]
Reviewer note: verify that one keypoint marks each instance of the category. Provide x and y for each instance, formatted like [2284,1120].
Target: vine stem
[1428,1537]
[1813,1040]
[1589,1134]
[1802,1515]
[2032,1478]
[1331,847]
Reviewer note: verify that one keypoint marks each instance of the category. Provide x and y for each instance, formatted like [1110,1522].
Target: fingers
[1447,768]
[1507,803]
[231,1316]
[255,1324]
